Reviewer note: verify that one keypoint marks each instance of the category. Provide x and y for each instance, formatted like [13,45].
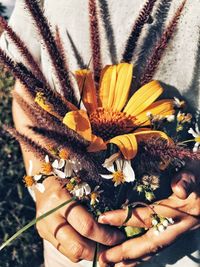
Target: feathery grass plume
[105,17]
[62,74]
[136,31]
[27,142]
[40,117]
[158,51]
[80,62]
[48,121]
[95,39]
[75,151]
[158,147]
[20,45]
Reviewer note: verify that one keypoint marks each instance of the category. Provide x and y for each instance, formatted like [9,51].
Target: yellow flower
[110,116]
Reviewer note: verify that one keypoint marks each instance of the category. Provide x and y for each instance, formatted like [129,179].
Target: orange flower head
[29,181]
[47,168]
[118,177]
[64,154]
[107,123]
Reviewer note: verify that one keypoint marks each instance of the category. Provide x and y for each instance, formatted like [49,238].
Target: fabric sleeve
[22,23]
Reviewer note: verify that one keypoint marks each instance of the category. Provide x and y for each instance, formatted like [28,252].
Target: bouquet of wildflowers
[110,146]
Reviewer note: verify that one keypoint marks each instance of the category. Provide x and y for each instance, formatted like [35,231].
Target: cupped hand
[183,206]
[72,230]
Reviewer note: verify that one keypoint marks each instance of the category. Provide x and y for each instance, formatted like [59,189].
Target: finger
[75,246]
[141,217]
[127,264]
[84,223]
[147,244]
[184,183]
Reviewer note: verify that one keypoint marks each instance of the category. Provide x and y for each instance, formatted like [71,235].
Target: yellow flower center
[64,154]
[118,177]
[70,187]
[47,168]
[29,181]
[197,139]
[107,123]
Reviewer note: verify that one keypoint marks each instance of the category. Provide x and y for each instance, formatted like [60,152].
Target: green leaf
[133,231]
[34,221]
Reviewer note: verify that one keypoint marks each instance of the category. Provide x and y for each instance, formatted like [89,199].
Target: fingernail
[102,219]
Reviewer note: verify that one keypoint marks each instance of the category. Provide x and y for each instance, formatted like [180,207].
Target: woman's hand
[183,206]
[72,230]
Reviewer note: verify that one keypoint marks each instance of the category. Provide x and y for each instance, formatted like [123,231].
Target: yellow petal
[107,86]
[122,88]
[97,144]
[79,122]
[143,98]
[87,89]
[161,107]
[127,144]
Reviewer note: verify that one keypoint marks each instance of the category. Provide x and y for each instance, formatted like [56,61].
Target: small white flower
[196,134]
[170,220]
[81,190]
[161,228]
[32,181]
[178,103]
[124,172]
[154,222]
[165,223]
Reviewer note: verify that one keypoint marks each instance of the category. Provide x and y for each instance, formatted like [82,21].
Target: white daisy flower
[124,172]
[32,181]
[54,168]
[196,134]
[81,190]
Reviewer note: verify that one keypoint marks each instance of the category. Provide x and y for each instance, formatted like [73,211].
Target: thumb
[183,184]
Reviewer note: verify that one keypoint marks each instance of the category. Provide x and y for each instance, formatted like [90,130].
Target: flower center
[107,123]
[47,168]
[118,177]
[197,139]
[64,154]
[29,181]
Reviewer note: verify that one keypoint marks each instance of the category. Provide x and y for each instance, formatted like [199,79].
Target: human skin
[183,206]
[73,231]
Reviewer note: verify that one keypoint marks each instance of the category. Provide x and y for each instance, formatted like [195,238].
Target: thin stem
[34,221]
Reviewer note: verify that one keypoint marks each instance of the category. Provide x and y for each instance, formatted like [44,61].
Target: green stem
[187,141]
[34,221]
[95,259]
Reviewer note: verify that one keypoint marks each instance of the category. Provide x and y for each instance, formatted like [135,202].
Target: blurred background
[16,206]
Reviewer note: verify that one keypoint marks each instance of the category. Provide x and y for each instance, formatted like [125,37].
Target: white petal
[110,168]
[37,177]
[47,159]
[79,192]
[61,164]
[55,164]
[196,147]
[107,176]
[40,187]
[128,172]
[30,169]
[120,164]
[68,169]
[59,173]
[87,189]
[192,132]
